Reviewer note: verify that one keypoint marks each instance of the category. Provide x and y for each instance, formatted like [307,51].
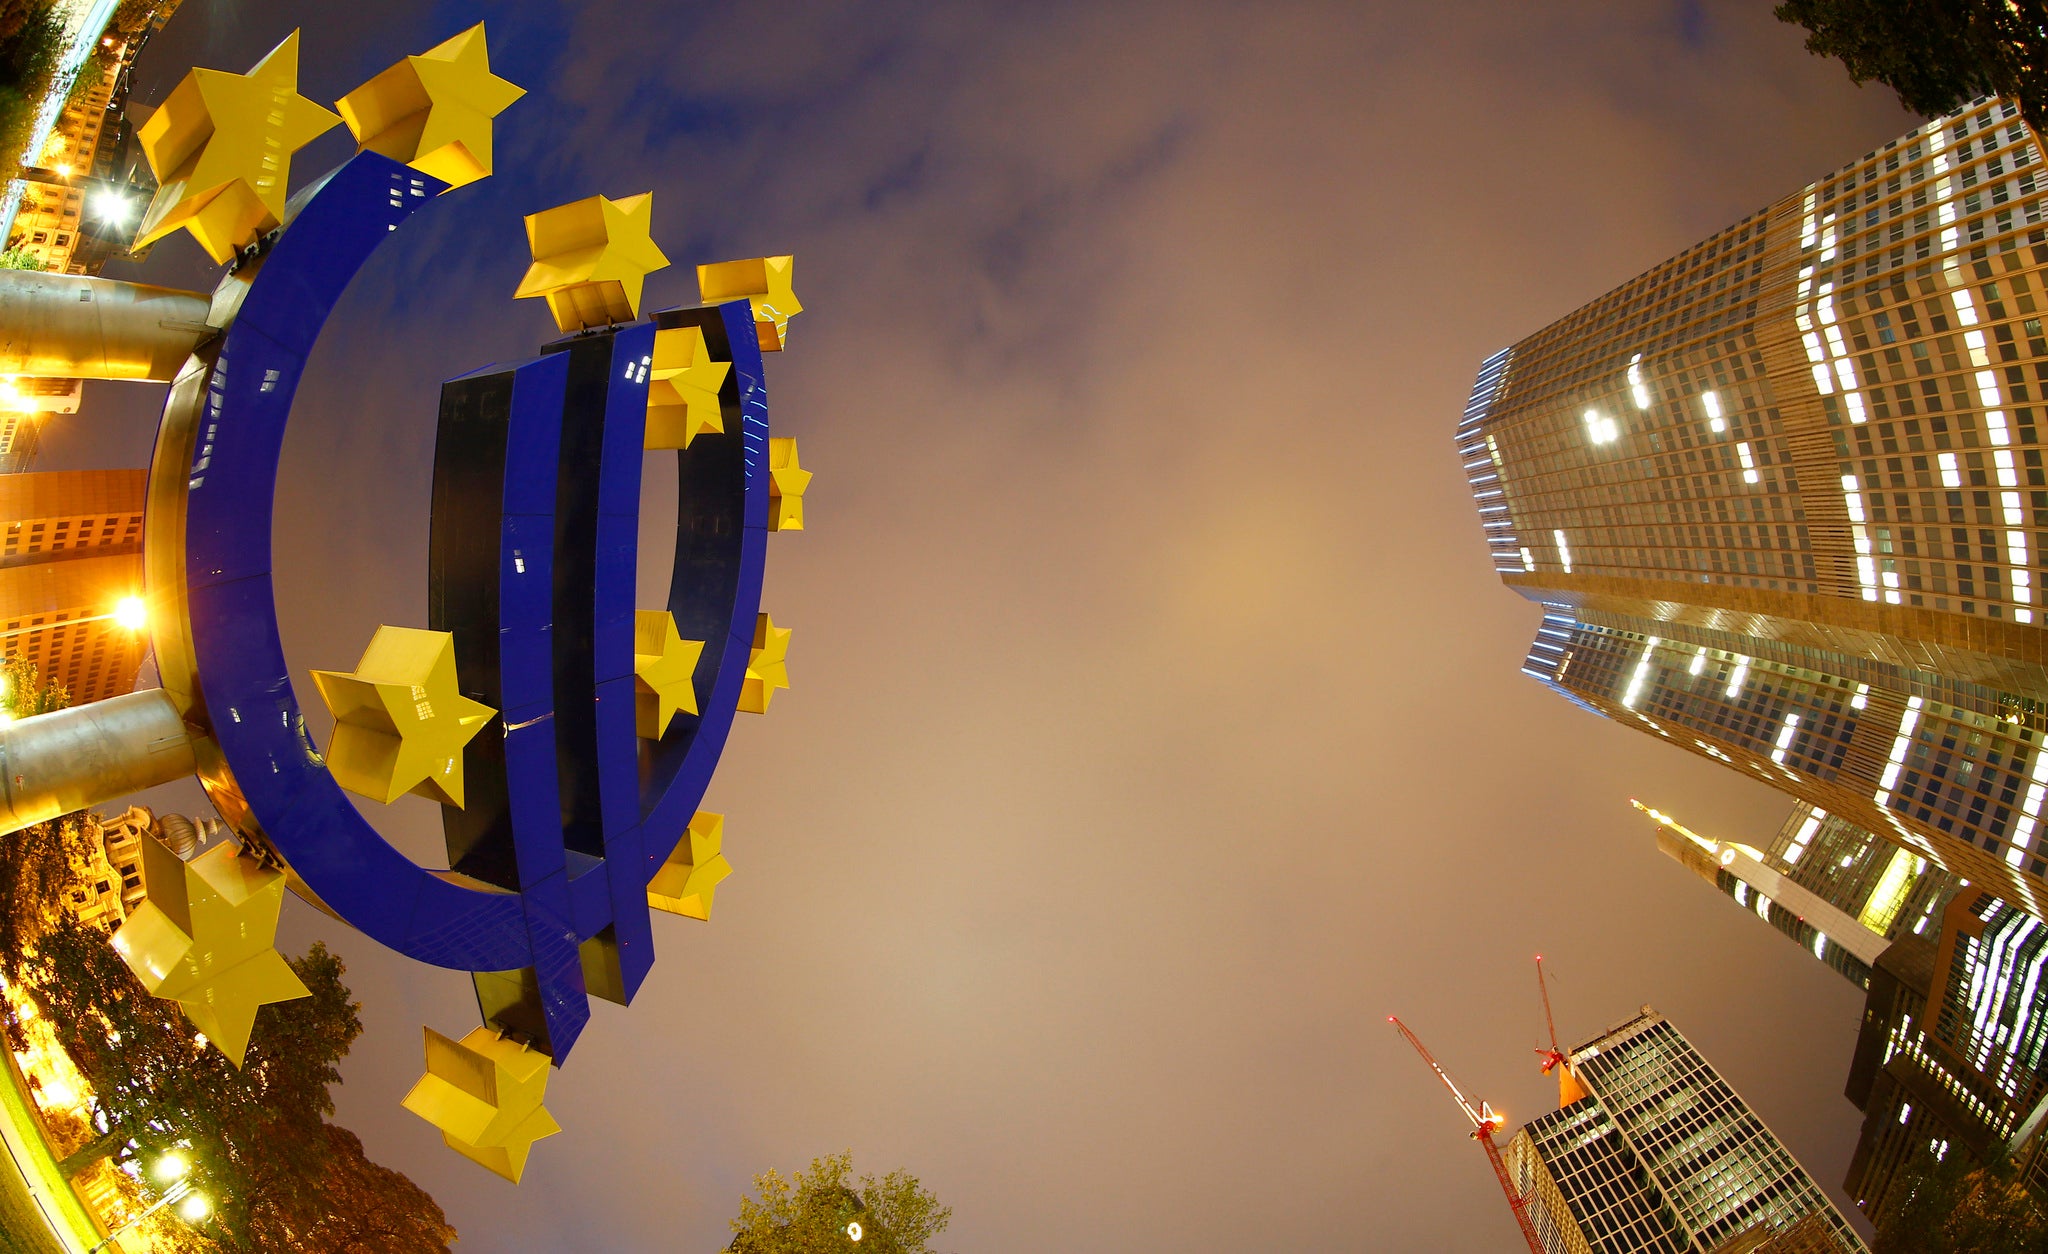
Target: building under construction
[1662,1156]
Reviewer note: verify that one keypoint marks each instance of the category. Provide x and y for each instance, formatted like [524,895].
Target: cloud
[1156,726]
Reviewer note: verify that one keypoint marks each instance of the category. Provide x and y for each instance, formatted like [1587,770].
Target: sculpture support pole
[70,326]
[56,763]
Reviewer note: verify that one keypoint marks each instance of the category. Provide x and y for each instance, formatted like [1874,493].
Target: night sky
[1156,727]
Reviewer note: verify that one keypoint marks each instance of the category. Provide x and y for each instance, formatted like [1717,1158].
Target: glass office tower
[1837,891]
[1662,1156]
[1951,1054]
[1782,498]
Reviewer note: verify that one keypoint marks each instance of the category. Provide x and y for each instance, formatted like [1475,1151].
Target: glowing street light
[171,1166]
[130,612]
[113,208]
[192,1206]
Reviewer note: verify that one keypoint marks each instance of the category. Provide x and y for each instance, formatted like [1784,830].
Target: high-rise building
[70,553]
[1836,890]
[1950,1056]
[1663,1157]
[1783,503]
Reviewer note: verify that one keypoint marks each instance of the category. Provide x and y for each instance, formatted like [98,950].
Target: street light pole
[182,1189]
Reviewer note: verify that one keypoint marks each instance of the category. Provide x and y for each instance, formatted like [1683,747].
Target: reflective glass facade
[1782,498]
[1834,889]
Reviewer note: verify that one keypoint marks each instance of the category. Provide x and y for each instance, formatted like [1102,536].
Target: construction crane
[1569,1089]
[1485,1122]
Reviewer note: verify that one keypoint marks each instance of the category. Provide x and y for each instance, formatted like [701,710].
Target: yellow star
[399,720]
[767,666]
[484,1093]
[434,111]
[763,281]
[682,394]
[664,666]
[221,146]
[206,937]
[590,259]
[786,483]
[693,870]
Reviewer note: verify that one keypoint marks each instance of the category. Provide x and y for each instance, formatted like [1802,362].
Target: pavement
[70,1227]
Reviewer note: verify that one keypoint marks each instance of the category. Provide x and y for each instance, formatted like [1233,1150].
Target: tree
[1936,54]
[1958,1208]
[35,863]
[31,42]
[371,1209]
[810,1214]
[257,1138]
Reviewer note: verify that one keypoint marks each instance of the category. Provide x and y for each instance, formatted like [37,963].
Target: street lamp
[193,1205]
[113,207]
[129,612]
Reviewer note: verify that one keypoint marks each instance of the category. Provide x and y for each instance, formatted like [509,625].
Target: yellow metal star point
[763,282]
[682,389]
[434,111]
[485,1094]
[591,258]
[206,939]
[664,670]
[693,870]
[767,665]
[400,721]
[221,147]
[787,480]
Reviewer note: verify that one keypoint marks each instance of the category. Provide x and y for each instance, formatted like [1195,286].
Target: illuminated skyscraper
[1952,1051]
[1662,1157]
[71,551]
[1838,891]
[1783,503]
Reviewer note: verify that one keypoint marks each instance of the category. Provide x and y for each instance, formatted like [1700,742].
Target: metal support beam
[67,760]
[70,326]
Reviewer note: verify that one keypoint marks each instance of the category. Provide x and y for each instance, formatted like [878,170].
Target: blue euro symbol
[533,556]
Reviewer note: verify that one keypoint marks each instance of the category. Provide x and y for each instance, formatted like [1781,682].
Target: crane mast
[1552,1057]
[1485,1122]
[1569,1089]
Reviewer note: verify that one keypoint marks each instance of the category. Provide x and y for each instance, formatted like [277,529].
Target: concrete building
[70,553]
[1783,503]
[1663,1157]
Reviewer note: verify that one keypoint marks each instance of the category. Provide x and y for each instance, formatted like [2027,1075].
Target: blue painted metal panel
[638,797]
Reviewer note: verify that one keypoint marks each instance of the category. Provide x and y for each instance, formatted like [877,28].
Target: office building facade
[1951,1054]
[1783,503]
[70,552]
[1661,1157]
[1835,890]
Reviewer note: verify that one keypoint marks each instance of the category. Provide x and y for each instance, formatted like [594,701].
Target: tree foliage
[1959,1208]
[810,1213]
[24,691]
[257,1138]
[371,1209]
[35,863]
[31,44]
[1936,54]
